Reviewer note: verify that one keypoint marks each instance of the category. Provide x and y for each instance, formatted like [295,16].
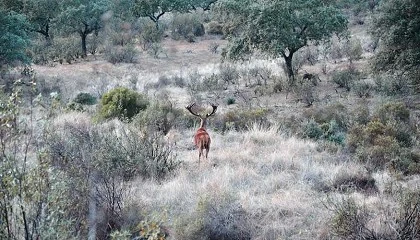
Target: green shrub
[85,99]
[121,103]
[230,101]
[150,35]
[385,140]
[363,89]
[228,73]
[353,49]
[214,28]
[351,221]
[328,131]
[346,78]
[150,230]
[216,217]
[121,54]
[159,117]
[241,120]
[393,112]
[391,85]
[312,130]
[334,111]
[187,26]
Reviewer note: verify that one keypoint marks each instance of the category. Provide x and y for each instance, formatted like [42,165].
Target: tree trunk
[289,67]
[83,35]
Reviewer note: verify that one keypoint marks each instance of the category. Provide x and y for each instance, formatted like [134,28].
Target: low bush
[216,217]
[228,73]
[85,99]
[121,103]
[363,89]
[187,26]
[241,120]
[214,28]
[327,131]
[385,139]
[357,181]
[159,117]
[350,220]
[334,111]
[391,85]
[121,54]
[150,35]
[346,78]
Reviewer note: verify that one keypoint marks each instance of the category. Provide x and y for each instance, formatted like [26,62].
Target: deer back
[202,138]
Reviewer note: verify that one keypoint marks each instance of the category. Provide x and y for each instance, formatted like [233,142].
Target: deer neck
[203,122]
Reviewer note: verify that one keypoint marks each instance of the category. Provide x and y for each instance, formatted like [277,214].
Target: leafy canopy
[278,28]
[14,39]
[397,25]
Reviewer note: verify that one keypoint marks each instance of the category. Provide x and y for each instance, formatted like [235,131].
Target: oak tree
[278,28]
[397,25]
[82,17]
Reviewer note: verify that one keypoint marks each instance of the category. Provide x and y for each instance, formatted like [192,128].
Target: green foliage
[121,103]
[151,230]
[230,101]
[394,112]
[120,235]
[159,117]
[279,28]
[363,89]
[216,217]
[82,17]
[155,9]
[312,130]
[14,39]
[186,26]
[85,99]
[397,25]
[228,73]
[41,14]
[241,120]
[353,49]
[150,35]
[391,85]
[214,28]
[330,131]
[346,78]
[336,112]
[385,140]
[121,54]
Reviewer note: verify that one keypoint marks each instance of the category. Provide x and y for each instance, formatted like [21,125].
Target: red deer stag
[201,138]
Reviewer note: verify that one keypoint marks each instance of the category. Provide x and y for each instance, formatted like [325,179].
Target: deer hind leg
[200,153]
[207,151]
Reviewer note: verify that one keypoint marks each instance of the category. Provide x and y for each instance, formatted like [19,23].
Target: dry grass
[260,170]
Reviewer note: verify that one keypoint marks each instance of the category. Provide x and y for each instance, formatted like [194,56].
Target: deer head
[202,138]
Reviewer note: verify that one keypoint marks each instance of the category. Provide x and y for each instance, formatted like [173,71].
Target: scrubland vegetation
[316,134]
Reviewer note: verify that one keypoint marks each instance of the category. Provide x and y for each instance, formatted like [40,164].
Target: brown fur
[202,141]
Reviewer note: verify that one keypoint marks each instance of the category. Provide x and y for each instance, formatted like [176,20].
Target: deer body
[201,138]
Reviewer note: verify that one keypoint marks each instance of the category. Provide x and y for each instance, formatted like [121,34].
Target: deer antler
[189,108]
[214,110]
